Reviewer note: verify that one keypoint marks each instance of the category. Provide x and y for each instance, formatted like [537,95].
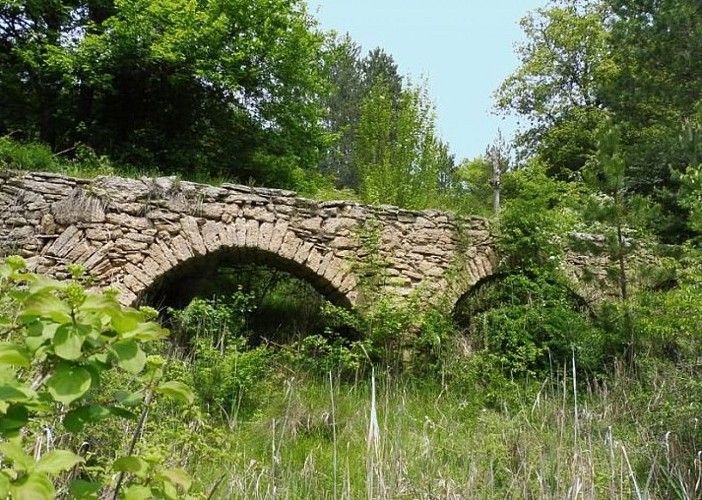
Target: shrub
[58,340]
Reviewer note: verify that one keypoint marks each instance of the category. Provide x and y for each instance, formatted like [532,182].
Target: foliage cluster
[585,63]
[225,88]
[59,343]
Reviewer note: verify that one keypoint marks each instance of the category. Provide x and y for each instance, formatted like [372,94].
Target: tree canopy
[587,61]
[231,86]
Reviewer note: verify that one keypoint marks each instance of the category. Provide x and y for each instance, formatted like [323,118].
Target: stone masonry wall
[131,233]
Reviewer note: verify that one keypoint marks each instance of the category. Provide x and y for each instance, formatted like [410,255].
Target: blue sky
[465,49]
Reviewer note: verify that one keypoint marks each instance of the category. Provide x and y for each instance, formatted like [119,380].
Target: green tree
[344,103]
[622,215]
[470,189]
[655,94]
[397,153]
[564,63]
[584,61]
[352,78]
[231,87]
[658,85]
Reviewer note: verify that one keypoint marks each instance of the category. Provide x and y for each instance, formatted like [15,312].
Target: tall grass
[321,438]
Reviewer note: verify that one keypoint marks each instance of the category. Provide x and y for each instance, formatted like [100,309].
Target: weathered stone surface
[210,235]
[191,232]
[128,233]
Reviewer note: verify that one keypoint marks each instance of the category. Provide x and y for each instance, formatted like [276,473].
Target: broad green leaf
[75,420]
[11,392]
[46,305]
[127,398]
[40,331]
[15,417]
[15,454]
[126,320]
[169,490]
[68,341]
[147,332]
[43,284]
[83,490]
[122,413]
[102,358]
[176,390]
[137,492]
[101,303]
[35,486]
[57,461]
[12,354]
[134,465]
[69,383]
[128,355]
[177,477]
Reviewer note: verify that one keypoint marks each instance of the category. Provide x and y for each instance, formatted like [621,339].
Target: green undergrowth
[315,438]
[536,415]
[390,403]
[83,162]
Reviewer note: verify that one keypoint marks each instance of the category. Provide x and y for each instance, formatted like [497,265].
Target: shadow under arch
[468,305]
[186,280]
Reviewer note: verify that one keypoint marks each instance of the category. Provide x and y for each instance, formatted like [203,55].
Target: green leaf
[131,464]
[100,303]
[15,454]
[36,486]
[46,305]
[42,284]
[137,492]
[10,392]
[40,333]
[57,461]
[69,383]
[16,417]
[126,321]
[12,354]
[68,341]
[75,420]
[176,390]
[177,477]
[129,355]
[127,398]
[147,332]
[169,490]
[84,490]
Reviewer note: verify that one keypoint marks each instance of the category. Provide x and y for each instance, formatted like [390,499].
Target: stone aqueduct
[132,235]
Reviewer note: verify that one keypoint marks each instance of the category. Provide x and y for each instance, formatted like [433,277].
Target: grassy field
[324,439]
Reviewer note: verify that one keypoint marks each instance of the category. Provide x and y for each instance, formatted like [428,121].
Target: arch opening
[531,323]
[279,300]
[191,278]
[486,292]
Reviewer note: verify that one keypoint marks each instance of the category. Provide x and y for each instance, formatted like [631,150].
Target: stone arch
[184,280]
[271,242]
[477,265]
[577,298]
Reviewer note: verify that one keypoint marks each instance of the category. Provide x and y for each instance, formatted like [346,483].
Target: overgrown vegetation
[527,389]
